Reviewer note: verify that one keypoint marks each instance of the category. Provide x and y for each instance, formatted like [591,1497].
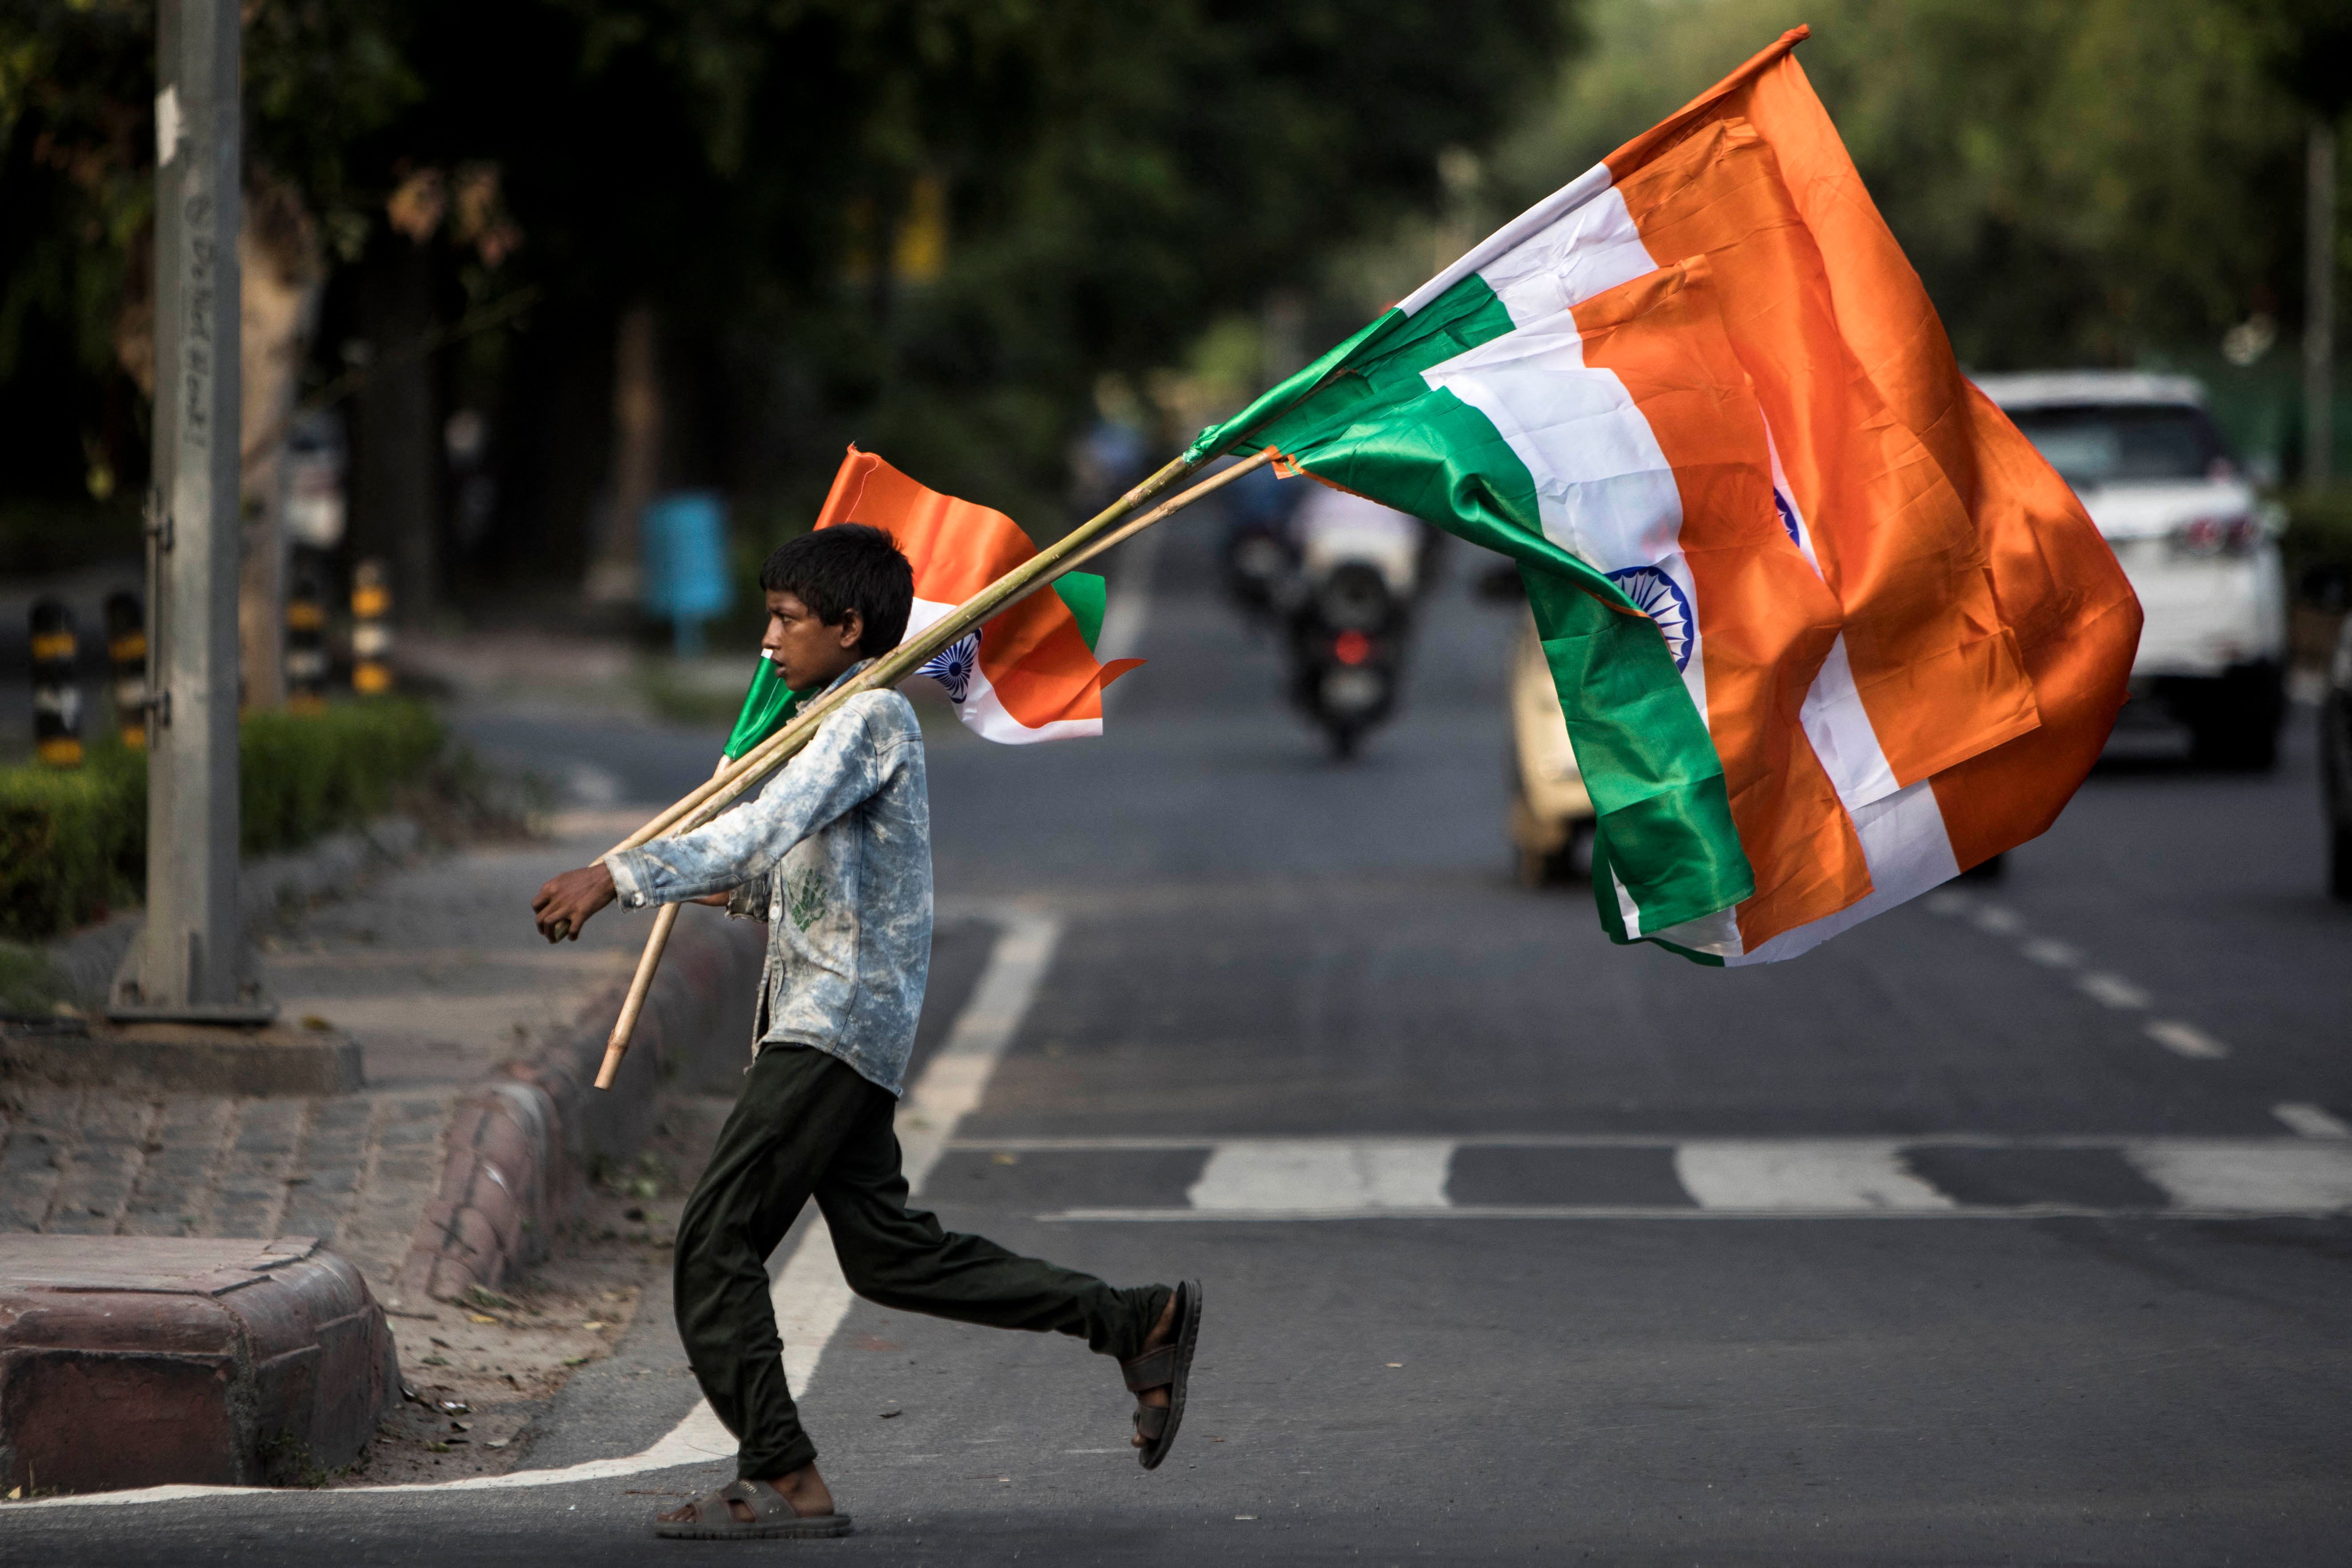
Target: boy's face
[805,651]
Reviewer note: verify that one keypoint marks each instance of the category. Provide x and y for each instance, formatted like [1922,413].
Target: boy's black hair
[846,567]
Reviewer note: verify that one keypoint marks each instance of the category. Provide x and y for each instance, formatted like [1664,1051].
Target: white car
[2199,547]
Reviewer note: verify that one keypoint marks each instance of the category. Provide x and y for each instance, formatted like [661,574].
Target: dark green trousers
[808,1126]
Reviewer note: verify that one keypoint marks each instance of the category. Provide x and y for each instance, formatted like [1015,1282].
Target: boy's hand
[565,903]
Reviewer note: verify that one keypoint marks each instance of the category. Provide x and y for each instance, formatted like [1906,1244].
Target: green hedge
[73,843]
[2318,533]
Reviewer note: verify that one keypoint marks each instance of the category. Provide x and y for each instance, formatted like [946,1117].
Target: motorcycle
[1259,563]
[1360,567]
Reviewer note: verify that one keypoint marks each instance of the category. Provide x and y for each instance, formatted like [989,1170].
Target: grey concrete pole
[2319,308]
[186,963]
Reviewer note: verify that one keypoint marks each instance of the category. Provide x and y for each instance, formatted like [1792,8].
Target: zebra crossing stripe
[1319,1178]
[1812,1177]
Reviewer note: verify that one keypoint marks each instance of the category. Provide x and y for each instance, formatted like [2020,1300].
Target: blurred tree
[931,224]
[2088,183]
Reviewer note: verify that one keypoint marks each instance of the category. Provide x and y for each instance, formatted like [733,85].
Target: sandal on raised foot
[772,1517]
[1169,1367]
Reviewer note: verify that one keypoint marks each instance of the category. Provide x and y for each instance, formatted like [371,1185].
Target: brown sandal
[772,1517]
[1169,1367]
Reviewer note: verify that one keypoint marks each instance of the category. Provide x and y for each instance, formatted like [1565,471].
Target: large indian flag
[1826,628]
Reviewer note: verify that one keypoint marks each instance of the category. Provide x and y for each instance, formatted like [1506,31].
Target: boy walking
[835,857]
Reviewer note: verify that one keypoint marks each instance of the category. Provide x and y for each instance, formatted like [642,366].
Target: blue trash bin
[685,539]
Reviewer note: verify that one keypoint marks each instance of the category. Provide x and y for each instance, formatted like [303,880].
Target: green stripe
[766,706]
[1373,425]
[1087,598]
[1380,364]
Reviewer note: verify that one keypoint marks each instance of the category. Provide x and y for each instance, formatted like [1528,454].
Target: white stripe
[1659,1211]
[1839,729]
[1908,852]
[809,1295]
[1357,1175]
[1628,910]
[1781,487]
[2186,1041]
[1812,1177]
[2248,1177]
[1605,491]
[1520,229]
[1587,252]
[983,712]
[2112,991]
[2312,1121]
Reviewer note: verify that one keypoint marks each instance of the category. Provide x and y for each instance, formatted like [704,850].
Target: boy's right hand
[565,903]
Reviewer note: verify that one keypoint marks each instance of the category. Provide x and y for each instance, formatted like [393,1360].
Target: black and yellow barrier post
[370,629]
[57,695]
[306,643]
[126,656]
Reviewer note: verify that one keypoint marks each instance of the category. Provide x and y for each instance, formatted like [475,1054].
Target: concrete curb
[522,1146]
[143,1361]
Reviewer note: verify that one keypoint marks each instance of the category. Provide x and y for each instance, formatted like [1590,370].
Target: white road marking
[1293,1180]
[1803,1175]
[2312,1121]
[809,1295]
[2186,1041]
[2249,1178]
[2109,989]
[1660,1211]
[2112,991]
[1346,1176]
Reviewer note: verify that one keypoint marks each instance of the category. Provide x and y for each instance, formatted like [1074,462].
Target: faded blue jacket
[835,855]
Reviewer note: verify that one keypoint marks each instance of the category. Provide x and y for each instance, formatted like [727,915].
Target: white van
[2200,549]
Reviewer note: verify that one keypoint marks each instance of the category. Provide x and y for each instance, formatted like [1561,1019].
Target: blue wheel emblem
[1787,517]
[952,666]
[1658,596]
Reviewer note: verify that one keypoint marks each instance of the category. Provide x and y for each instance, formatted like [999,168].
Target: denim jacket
[835,855]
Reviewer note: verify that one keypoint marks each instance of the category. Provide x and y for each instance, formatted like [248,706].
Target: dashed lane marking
[2109,990]
[2112,991]
[2186,1040]
[2312,1121]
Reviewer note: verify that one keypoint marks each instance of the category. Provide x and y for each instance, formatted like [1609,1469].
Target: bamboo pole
[641,984]
[891,668]
[1083,544]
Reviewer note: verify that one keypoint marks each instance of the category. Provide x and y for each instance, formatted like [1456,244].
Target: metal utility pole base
[187,964]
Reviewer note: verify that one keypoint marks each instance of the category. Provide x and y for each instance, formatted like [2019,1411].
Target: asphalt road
[1970,1237]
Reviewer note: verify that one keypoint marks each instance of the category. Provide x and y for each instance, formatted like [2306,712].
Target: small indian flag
[1027,673]
[1825,627]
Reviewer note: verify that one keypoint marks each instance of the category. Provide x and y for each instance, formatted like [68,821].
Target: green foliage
[2319,535]
[1099,177]
[73,841]
[29,985]
[2079,183]
[301,775]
